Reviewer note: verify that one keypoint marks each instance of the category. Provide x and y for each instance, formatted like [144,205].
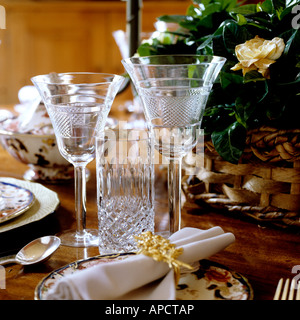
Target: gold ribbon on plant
[161,249]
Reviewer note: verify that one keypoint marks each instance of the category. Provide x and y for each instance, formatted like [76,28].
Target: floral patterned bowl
[40,152]
[29,138]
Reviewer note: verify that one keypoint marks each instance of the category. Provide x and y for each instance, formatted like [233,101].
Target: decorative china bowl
[38,149]
[40,152]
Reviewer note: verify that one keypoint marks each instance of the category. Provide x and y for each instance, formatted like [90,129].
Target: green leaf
[266,6]
[191,23]
[197,1]
[193,12]
[228,4]
[205,48]
[286,12]
[265,92]
[293,43]
[218,117]
[172,18]
[212,8]
[230,32]
[146,50]
[241,20]
[278,4]
[253,76]
[230,143]
[291,2]
[261,20]
[297,81]
[188,22]
[206,41]
[275,111]
[234,34]
[244,111]
[245,9]
[228,78]
[202,2]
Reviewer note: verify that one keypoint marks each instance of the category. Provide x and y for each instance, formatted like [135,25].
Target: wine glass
[78,105]
[174,90]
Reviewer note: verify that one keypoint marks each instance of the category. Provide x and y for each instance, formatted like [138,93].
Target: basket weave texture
[265,184]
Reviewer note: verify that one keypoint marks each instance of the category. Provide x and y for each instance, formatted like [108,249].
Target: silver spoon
[36,251]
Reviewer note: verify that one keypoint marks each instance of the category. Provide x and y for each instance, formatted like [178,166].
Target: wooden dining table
[263,253]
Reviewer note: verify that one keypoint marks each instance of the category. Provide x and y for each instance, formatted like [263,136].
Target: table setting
[67,262]
[129,221]
[58,93]
[130,278]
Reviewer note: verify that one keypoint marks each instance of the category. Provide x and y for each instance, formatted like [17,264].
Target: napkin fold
[140,277]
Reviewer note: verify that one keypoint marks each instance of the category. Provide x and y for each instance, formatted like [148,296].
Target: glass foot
[73,238]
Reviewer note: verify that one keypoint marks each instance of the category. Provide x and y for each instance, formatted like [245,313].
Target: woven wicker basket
[265,184]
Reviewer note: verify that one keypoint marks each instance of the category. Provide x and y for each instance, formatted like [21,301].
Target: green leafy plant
[239,103]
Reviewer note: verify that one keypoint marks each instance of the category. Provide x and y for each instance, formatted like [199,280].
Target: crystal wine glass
[78,105]
[174,90]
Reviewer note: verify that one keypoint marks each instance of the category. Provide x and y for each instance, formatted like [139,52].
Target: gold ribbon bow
[161,249]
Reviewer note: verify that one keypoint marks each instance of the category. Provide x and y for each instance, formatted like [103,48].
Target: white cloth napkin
[140,277]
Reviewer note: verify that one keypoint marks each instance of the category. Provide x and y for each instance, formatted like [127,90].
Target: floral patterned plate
[207,281]
[212,281]
[14,200]
[46,202]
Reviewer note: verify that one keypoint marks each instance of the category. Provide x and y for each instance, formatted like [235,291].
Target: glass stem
[174,194]
[80,198]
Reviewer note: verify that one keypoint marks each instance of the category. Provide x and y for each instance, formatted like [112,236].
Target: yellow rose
[258,54]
